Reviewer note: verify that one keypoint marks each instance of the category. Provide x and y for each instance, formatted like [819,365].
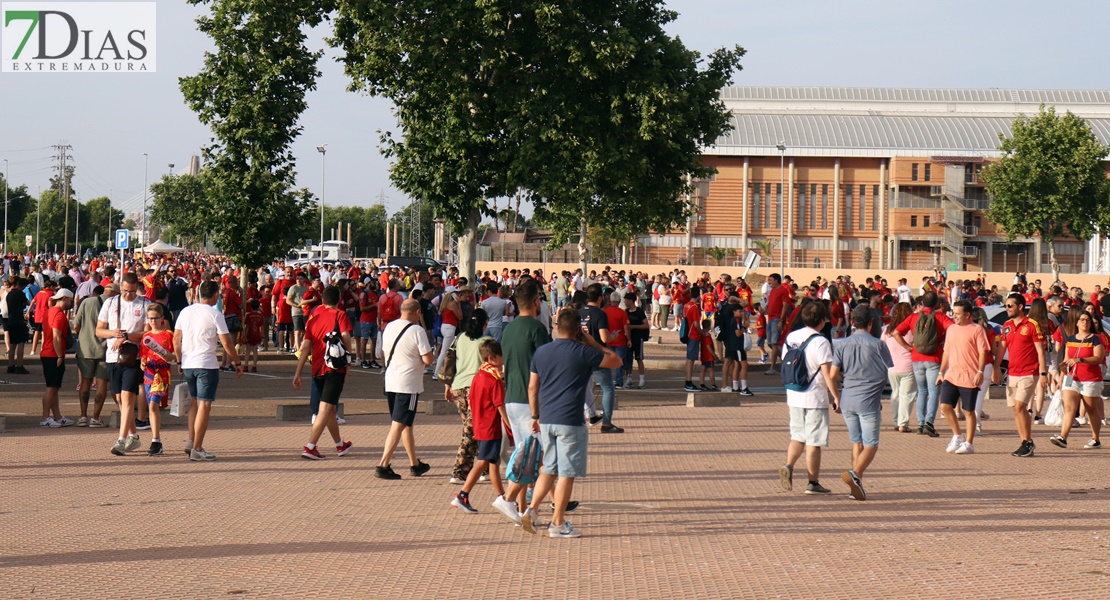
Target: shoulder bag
[128,350]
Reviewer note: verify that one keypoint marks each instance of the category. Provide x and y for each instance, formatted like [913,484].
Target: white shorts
[809,426]
[1091,389]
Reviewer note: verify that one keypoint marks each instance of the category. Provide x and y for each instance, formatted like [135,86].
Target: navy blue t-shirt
[565,367]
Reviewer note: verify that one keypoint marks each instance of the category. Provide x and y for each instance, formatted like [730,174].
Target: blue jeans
[604,378]
[928,394]
[618,373]
[494,332]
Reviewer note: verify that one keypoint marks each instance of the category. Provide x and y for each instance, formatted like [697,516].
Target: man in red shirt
[327,383]
[1024,340]
[368,321]
[779,297]
[389,305]
[691,316]
[620,336]
[745,294]
[41,305]
[55,331]
[283,310]
[233,315]
[926,365]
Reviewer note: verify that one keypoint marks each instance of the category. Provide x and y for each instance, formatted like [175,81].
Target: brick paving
[686,504]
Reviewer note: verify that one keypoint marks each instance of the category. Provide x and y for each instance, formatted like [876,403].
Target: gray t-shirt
[495,310]
[864,362]
[88,345]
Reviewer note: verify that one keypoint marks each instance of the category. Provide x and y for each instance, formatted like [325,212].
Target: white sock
[735,384]
[641,380]
[121,440]
[743,384]
[156,440]
[310,446]
[134,436]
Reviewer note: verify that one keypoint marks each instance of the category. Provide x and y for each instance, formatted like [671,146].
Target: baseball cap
[62,293]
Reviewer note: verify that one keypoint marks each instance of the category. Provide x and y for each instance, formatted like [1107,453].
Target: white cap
[62,293]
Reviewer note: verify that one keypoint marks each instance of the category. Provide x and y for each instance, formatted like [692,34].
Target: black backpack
[795,373]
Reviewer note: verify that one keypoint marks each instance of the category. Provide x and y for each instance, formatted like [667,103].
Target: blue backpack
[524,464]
[795,373]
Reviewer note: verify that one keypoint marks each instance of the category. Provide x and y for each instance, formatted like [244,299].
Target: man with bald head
[406,352]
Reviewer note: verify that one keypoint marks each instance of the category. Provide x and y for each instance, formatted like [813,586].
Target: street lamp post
[323,150]
[6,184]
[782,195]
[146,164]
[77,229]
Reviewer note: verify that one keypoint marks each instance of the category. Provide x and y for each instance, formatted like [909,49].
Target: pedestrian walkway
[686,504]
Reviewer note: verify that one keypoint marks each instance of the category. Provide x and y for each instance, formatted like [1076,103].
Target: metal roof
[849,94]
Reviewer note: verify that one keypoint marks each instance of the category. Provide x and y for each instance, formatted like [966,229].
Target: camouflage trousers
[468,448]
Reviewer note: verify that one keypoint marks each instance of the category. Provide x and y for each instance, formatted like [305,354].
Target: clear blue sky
[111,120]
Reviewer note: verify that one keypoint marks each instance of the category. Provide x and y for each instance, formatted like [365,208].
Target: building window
[925,221]
[969,173]
[847,208]
[978,222]
[767,207]
[928,172]
[813,205]
[875,208]
[825,206]
[863,205]
[913,220]
[913,172]
[778,202]
[801,207]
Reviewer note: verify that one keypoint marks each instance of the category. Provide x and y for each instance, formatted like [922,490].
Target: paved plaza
[686,504]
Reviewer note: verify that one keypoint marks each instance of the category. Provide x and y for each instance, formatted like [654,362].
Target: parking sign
[123,239]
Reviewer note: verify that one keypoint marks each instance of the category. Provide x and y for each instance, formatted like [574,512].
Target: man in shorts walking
[122,320]
[327,382]
[809,409]
[777,296]
[966,353]
[407,351]
[196,333]
[1024,340]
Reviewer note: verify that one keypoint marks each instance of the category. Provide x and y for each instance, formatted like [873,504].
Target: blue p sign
[123,239]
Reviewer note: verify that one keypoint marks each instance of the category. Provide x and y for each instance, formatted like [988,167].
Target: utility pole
[38,221]
[323,150]
[6,184]
[63,173]
[77,235]
[146,188]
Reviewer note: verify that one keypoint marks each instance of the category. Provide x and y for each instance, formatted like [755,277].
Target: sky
[111,120]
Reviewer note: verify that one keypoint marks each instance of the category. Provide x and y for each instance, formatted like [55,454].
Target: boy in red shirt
[154,353]
[620,337]
[708,355]
[327,383]
[254,328]
[487,410]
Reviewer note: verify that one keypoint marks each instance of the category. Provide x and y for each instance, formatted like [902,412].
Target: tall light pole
[6,184]
[782,196]
[110,235]
[77,229]
[146,165]
[38,221]
[323,150]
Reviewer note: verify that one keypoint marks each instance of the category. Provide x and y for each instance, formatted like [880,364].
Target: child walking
[487,410]
[254,327]
[708,355]
[154,354]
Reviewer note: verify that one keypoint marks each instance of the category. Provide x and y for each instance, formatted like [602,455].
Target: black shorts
[951,394]
[637,350]
[285,327]
[298,323]
[233,324]
[402,407]
[489,450]
[124,379]
[52,373]
[329,386]
[36,327]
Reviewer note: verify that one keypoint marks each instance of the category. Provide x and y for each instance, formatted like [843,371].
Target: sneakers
[746,392]
[507,508]
[852,480]
[689,387]
[1026,450]
[120,448]
[374,365]
[341,421]
[67,422]
[929,430]
[50,422]
[594,420]
[1093,445]
[133,443]
[463,503]
[955,443]
[483,478]
[762,360]
[528,520]
[343,449]
[815,488]
[562,531]
[83,422]
[155,449]
[770,371]
[458,480]
[713,388]
[142,425]
[364,365]
[96,423]
[786,477]
[312,453]
[966,447]
[611,429]
[420,468]
[725,389]
[385,473]
[703,388]
[1058,441]
[201,454]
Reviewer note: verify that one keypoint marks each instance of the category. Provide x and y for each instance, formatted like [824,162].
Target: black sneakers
[420,469]
[611,429]
[594,420]
[815,488]
[746,392]
[155,449]
[930,431]
[1026,449]
[385,473]
[572,505]
[1058,441]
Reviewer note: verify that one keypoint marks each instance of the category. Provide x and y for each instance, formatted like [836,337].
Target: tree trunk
[468,246]
[583,250]
[1055,264]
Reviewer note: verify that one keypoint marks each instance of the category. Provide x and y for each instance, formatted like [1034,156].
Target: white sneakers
[965,448]
[507,508]
[955,443]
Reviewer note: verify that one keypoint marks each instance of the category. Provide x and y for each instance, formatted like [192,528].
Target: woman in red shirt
[1084,352]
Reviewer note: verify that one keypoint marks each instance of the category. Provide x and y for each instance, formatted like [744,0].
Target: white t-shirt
[201,326]
[404,372]
[904,293]
[764,293]
[132,320]
[818,352]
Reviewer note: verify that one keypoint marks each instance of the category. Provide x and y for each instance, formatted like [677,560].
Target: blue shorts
[863,428]
[202,383]
[369,329]
[489,450]
[774,331]
[352,316]
[693,349]
[402,407]
[564,449]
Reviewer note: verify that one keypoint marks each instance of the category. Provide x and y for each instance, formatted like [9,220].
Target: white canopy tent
[160,247]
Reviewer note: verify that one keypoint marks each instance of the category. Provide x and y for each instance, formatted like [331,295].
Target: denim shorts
[774,331]
[863,428]
[693,349]
[564,449]
[369,329]
[202,383]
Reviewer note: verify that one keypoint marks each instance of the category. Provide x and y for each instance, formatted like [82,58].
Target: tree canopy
[1051,181]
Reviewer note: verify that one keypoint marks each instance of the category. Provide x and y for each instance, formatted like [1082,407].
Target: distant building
[893,173]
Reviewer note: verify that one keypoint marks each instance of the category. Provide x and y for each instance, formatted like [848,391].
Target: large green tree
[20,202]
[1050,182]
[251,92]
[95,221]
[180,206]
[588,106]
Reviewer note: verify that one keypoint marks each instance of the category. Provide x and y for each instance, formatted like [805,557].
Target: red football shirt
[323,323]
[1020,339]
[943,323]
[692,314]
[487,392]
[775,300]
[618,318]
[54,318]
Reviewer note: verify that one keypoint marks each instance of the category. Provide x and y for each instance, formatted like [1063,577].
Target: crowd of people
[520,353]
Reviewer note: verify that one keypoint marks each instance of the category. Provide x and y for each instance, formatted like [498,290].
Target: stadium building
[870,178]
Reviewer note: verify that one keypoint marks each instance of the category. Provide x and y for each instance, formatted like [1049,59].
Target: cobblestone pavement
[686,504]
